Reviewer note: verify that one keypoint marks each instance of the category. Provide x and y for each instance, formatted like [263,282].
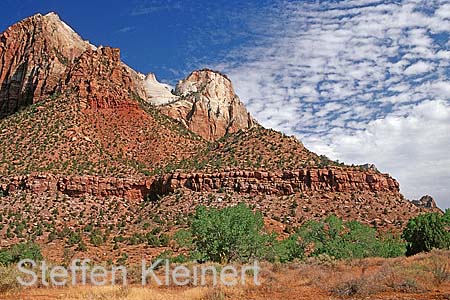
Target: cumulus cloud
[359,81]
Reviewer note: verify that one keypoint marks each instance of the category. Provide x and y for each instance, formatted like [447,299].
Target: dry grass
[8,282]
[424,277]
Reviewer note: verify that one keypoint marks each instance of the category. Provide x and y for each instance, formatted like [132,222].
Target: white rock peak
[158,93]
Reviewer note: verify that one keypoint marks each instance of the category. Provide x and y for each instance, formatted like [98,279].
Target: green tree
[428,231]
[229,234]
[343,240]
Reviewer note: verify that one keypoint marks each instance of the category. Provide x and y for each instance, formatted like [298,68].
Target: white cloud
[361,81]
[415,146]
[418,68]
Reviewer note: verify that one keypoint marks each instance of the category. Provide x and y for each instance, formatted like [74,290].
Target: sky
[364,81]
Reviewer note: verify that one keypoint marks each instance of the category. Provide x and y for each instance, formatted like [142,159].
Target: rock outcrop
[425,202]
[78,186]
[208,105]
[157,93]
[100,80]
[246,182]
[34,53]
[41,55]
[280,183]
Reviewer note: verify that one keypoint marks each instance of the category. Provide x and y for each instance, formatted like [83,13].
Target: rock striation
[208,105]
[78,186]
[246,182]
[279,183]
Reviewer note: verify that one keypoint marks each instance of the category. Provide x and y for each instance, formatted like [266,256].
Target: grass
[8,282]
[424,276]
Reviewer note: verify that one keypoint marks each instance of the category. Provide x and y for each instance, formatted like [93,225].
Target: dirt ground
[422,277]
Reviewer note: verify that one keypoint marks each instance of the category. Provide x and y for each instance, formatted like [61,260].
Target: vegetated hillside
[94,123]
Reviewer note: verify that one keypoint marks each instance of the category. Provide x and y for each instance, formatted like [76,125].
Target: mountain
[33,54]
[86,140]
[208,105]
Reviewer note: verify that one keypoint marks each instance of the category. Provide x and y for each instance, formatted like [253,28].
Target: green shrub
[164,240]
[18,252]
[343,240]
[183,238]
[74,238]
[229,234]
[428,231]
[289,249]
[152,239]
[96,238]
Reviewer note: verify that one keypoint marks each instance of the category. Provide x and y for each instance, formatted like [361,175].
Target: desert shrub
[183,238]
[96,238]
[428,231]
[164,240]
[8,281]
[18,252]
[81,246]
[229,234]
[349,288]
[343,240]
[152,239]
[289,249]
[391,246]
[73,239]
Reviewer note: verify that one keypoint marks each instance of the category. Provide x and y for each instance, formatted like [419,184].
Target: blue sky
[358,80]
[170,38]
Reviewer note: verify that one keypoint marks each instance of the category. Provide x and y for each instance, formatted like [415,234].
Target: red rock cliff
[34,53]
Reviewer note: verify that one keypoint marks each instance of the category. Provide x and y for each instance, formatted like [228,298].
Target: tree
[229,234]
[425,232]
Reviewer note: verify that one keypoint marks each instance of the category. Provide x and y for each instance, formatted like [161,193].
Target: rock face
[33,55]
[280,183]
[41,55]
[157,93]
[78,186]
[425,202]
[208,105]
[246,182]
[100,80]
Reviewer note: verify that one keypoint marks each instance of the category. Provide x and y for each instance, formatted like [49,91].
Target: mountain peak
[208,105]
[34,53]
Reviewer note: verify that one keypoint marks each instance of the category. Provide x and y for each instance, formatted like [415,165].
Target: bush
[289,249]
[343,240]
[428,231]
[18,252]
[8,281]
[183,238]
[96,238]
[229,234]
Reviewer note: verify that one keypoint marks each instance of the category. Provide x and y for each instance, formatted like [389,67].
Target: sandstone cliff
[208,105]
[34,53]
[100,80]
